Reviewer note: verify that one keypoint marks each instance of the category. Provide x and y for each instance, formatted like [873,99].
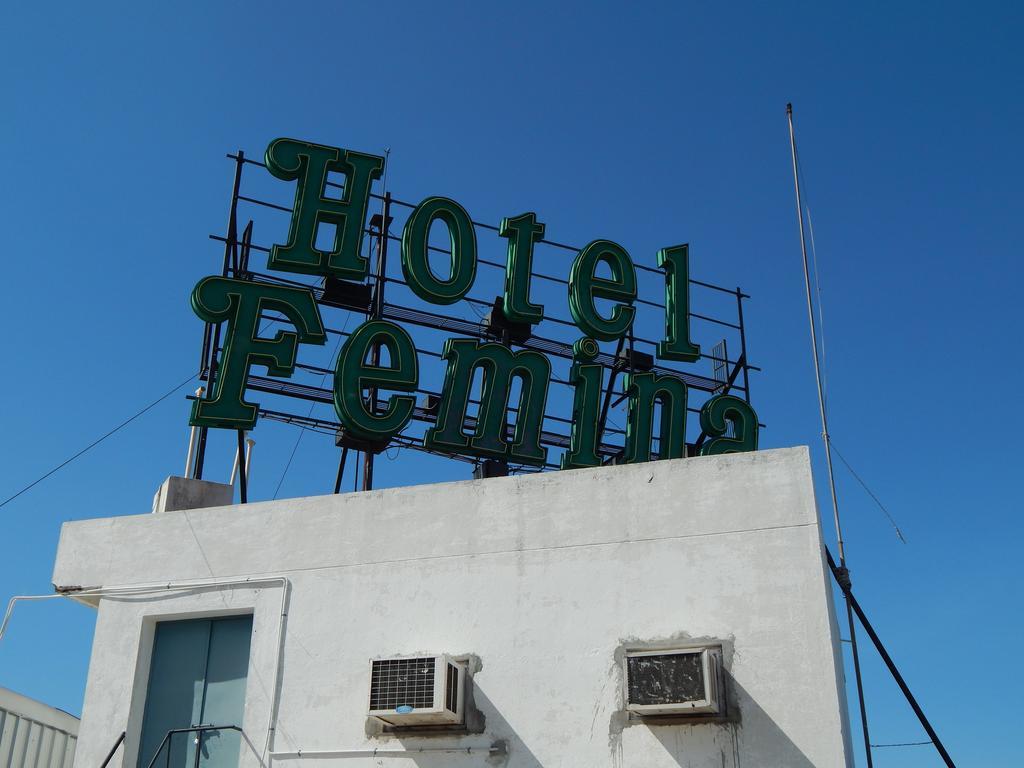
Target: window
[197,677]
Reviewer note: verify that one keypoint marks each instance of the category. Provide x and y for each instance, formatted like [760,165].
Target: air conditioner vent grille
[451,696]
[669,678]
[402,682]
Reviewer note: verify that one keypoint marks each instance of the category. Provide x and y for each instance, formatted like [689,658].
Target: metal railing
[198,730]
[113,749]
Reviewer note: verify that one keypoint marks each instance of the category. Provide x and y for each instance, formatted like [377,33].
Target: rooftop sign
[494,399]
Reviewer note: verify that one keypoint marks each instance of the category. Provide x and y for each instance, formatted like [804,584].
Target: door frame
[262,602]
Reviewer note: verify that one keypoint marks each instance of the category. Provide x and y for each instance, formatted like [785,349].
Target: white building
[35,735]
[267,616]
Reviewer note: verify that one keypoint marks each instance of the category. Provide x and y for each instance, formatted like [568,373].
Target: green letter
[240,303]
[499,365]
[415,262]
[586,406]
[644,389]
[353,375]
[309,164]
[677,345]
[713,417]
[584,287]
[522,232]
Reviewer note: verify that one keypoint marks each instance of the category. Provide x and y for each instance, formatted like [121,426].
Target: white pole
[249,443]
[192,442]
[234,469]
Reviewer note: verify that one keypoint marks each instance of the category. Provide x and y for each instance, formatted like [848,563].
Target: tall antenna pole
[826,440]
[377,305]
[814,342]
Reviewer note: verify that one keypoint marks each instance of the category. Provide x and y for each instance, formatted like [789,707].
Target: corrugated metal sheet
[34,735]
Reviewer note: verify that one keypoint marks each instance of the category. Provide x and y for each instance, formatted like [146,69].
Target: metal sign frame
[385,296]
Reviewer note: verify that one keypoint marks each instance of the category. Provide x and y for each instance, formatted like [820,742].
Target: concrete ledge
[180,493]
[700,496]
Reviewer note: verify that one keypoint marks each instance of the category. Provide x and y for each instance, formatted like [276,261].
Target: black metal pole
[230,248]
[861,699]
[376,310]
[743,345]
[243,490]
[382,258]
[243,257]
[367,471]
[341,470]
[608,394]
[204,355]
[844,585]
[506,341]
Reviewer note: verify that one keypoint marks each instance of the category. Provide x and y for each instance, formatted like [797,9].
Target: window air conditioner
[684,681]
[417,690]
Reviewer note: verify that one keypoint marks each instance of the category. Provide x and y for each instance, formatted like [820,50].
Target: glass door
[197,678]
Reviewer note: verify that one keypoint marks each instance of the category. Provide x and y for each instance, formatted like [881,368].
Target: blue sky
[651,126]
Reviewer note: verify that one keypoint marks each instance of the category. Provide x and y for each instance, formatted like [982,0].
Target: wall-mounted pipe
[498,748]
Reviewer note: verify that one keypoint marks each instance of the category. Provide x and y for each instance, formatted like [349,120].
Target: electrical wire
[116,429]
[96,442]
[821,352]
[817,281]
[870,493]
[479,313]
[821,304]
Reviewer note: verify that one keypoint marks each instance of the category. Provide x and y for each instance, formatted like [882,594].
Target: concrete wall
[544,578]
[34,735]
